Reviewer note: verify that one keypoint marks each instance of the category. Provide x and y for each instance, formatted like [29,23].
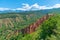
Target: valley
[31,25]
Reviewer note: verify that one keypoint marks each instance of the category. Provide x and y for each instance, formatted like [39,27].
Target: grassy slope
[15,21]
[23,20]
[35,35]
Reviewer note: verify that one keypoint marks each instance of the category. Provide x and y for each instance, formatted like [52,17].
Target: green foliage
[9,22]
[48,30]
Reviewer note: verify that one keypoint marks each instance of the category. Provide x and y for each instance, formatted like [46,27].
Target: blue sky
[18,3]
[13,4]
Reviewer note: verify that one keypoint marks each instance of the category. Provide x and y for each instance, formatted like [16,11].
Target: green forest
[47,30]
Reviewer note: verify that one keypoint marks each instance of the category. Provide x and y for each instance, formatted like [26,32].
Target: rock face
[31,28]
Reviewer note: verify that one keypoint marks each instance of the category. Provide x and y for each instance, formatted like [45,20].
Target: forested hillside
[48,30]
[45,27]
[9,22]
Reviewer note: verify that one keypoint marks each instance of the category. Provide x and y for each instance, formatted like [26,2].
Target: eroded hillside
[10,22]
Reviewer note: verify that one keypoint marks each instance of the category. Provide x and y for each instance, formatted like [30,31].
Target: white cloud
[56,6]
[2,9]
[21,9]
[36,6]
[24,7]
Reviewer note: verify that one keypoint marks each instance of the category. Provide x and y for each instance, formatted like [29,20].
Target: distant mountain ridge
[43,11]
